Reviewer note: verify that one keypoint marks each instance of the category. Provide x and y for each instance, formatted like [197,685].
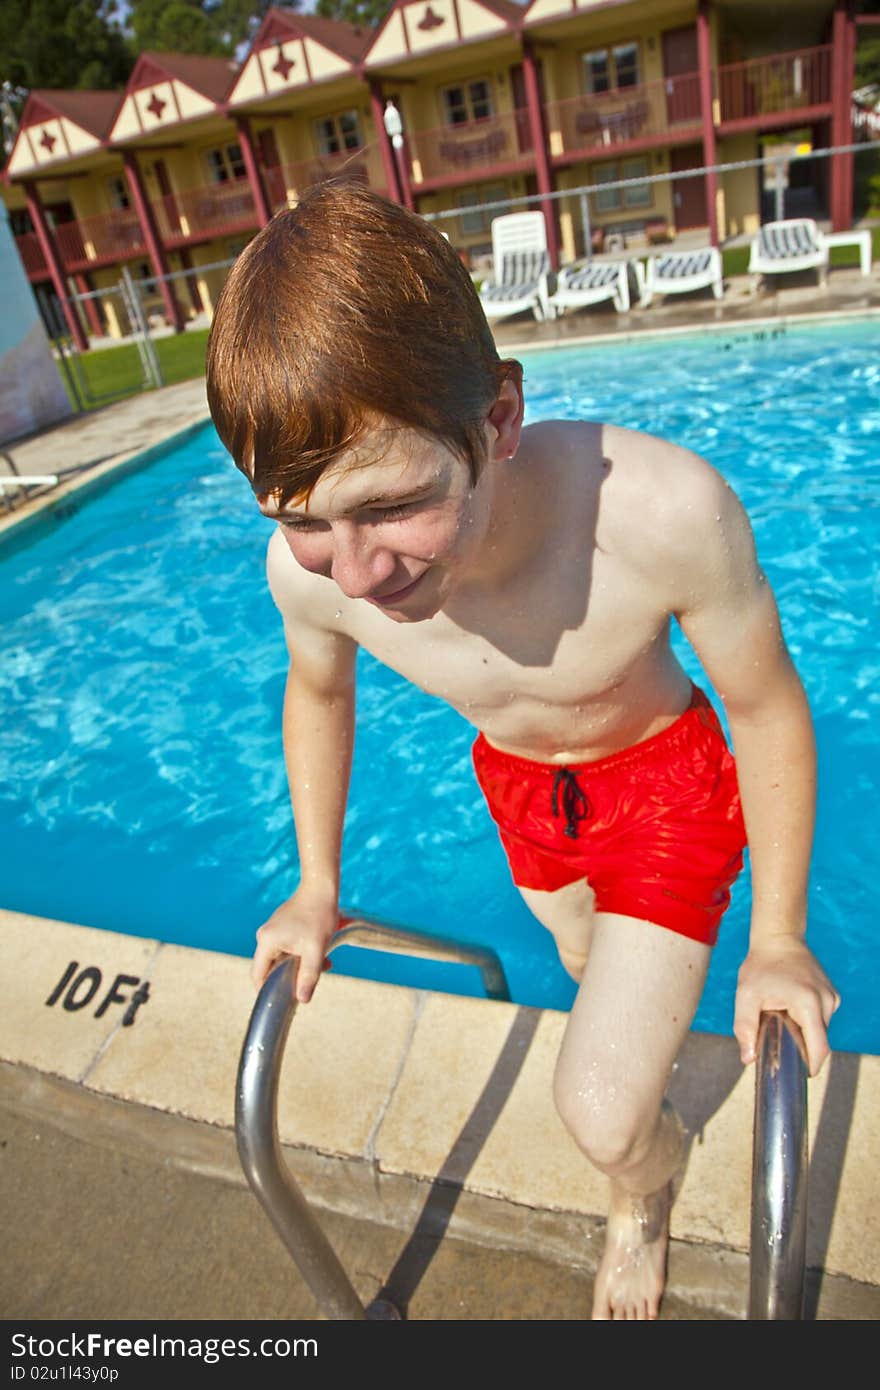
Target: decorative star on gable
[283,65]
[430,20]
[156,105]
[48,141]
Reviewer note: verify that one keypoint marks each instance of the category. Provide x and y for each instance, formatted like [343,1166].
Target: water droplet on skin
[339,612]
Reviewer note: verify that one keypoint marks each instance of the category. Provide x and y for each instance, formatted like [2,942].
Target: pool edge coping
[388,1085]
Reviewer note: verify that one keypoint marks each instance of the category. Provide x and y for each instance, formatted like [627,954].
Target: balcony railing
[783,82]
[283,182]
[472,149]
[197,214]
[109,237]
[31,253]
[628,116]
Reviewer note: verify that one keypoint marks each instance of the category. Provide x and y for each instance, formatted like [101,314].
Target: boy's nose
[358,567]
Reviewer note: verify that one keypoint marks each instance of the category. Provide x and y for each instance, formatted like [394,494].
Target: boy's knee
[605,1129]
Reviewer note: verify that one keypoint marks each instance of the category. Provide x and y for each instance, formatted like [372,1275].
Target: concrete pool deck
[420,1124]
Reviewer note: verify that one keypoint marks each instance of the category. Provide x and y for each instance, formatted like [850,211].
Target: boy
[529,577]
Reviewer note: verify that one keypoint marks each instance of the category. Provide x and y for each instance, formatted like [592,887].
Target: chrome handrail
[256,1105]
[779,1173]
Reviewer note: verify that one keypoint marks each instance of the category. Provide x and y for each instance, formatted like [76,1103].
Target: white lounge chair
[676,272]
[793,244]
[521,267]
[589,282]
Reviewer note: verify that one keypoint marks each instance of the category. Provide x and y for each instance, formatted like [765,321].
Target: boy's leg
[568,914]
[638,995]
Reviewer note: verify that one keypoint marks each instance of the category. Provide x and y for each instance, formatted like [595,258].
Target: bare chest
[548,668]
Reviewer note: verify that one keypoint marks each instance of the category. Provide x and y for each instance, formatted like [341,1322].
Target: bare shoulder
[322,655]
[303,599]
[674,515]
[669,479]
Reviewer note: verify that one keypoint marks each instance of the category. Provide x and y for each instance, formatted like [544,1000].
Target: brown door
[688,195]
[680,64]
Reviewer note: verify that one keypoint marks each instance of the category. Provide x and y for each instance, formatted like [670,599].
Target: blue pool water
[143,669]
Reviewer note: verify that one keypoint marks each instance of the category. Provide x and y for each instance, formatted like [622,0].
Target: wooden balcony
[107,239]
[200,214]
[283,182]
[474,150]
[771,91]
[630,117]
[32,258]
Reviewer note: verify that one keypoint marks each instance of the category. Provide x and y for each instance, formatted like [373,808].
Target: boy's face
[396,522]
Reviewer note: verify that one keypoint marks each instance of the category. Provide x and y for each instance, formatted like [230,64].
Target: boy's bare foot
[632,1273]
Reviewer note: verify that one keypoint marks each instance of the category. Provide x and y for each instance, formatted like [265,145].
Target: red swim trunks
[656,829]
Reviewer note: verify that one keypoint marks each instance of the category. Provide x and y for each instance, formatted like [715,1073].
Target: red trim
[151,237]
[305,54]
[710,153]
[259,58]
[173,84]
[772,119]
[146,74]
[388,162]
[457,17]
[600,154]
[53,261]
[539,143]
[35,113]
[478,174]
[245,139]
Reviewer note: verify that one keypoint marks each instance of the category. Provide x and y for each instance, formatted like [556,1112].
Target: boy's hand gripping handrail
[256,1098]
[779,1172]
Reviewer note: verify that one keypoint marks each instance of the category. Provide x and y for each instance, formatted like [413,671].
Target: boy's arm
[318,738]
[727,610]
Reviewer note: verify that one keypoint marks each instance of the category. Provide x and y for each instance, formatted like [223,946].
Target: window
[480,220]
[635,195]
[336,134]
[610,69]
[117,191]
[469,101]
[225,164]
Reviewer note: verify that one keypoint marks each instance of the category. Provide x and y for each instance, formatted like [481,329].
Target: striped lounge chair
[592,281]
[794,244]
[676,272]
[521,266]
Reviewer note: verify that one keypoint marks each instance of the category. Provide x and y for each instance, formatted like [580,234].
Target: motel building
[495,100]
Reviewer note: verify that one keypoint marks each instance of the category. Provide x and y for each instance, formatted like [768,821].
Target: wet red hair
[344,312]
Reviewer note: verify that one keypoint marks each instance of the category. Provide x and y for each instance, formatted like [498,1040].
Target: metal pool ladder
[779,1161]
[779,1173]
[256,1097]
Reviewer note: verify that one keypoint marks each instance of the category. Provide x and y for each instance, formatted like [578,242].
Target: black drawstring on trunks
[575,805]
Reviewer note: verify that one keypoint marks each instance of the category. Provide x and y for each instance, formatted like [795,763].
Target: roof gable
[414,27]
[56,127]
[292,50]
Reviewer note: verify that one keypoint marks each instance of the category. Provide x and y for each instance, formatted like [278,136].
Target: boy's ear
[505,419]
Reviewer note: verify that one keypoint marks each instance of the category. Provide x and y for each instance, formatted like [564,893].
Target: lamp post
[394,131]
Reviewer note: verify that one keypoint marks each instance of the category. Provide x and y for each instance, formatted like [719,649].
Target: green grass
[735,260]
[116,372]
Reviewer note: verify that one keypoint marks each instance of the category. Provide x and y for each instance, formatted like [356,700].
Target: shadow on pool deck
[109,1215]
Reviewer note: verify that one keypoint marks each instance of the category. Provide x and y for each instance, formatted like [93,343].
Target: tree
[219,27]
[62,43]
[364,12]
